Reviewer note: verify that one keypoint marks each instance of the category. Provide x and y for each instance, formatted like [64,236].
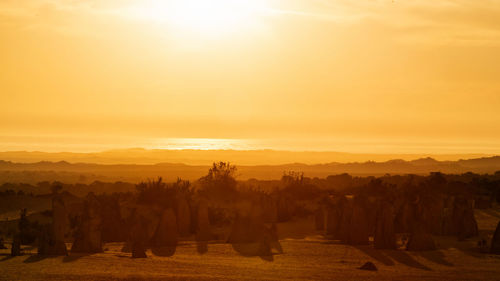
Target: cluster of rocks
[385,237]
[251,237]
[280,207]
[160,228]
[51,240]
[285,208]
[145,226]
[353,219]
[88,229]
[347,219]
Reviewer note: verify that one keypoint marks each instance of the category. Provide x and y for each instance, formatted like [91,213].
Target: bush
[220,183]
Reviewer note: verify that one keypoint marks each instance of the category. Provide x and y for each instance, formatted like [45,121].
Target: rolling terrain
[88,172]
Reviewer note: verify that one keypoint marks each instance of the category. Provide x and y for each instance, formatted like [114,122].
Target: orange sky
[407,76]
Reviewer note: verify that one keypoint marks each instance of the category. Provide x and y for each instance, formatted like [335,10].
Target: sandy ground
[305,258]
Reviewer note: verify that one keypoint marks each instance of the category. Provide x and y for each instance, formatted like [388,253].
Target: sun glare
[214,17]
[202,144]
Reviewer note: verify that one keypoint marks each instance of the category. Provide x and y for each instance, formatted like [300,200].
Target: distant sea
[351,145]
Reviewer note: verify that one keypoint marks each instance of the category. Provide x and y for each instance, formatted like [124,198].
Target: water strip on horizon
[358,145]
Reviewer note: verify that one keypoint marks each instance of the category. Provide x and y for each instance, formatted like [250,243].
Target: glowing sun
[206,17]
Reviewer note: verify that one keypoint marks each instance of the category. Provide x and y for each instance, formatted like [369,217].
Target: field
[305,257]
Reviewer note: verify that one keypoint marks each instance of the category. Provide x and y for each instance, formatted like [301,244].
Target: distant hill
[206,157]
[83,172]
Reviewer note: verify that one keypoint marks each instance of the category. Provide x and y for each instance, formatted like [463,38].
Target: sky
[341,75]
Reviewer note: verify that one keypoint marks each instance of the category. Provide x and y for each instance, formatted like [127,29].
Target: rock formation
[358,227]
[371,214]
[482,202]
[420,239]
[250,236]
[319,219]
[138,250]
[114,228]
[468,228]
[138,238]
[16,246]
[431,213]
[333,217]
[2,246]
[495,241]
[286,208]
[166,234]
[384,231]
[464,223]
[482,246]
[269,209]
[245,230]
[344,230]
[88,233]
[143,224]
[447,225]
[203,232]
[150,217]
[52,239]
[48,245]
[183,214]
[404,218]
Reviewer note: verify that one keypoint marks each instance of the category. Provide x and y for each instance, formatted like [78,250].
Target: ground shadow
[166,251]
[126,248]
[269,258]
[473,252]
[276,245]
[375,254]
[485,233]
[122,256]
[468,246]
[7,257]
[247,249]
[492,212]
[435,257]
[330,242]
[74,257]
[35,258]
[29,248]
[404,258]
[202,247]
[253,250]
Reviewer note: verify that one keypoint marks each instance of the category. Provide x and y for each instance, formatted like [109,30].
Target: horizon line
[251,150]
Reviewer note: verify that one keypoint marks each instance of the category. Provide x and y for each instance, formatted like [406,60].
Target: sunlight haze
[395,76]
[250,140]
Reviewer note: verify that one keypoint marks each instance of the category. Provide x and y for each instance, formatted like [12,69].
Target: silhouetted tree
[220,182]
[156,192]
